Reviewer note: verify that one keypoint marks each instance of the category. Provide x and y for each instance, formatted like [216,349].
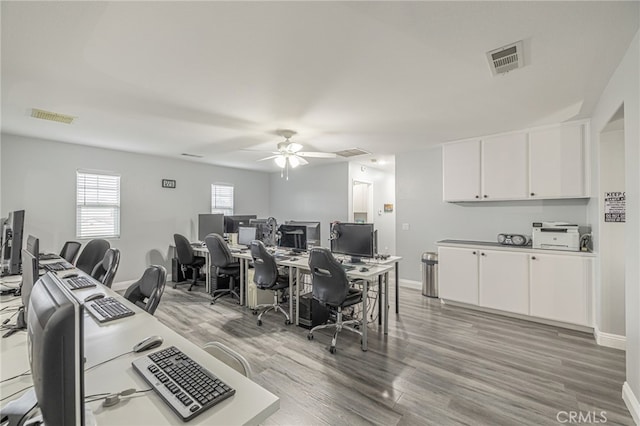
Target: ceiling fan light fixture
[281,161]
[294,161]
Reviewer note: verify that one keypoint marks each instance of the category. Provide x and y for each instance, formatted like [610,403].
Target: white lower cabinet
[550,286]
[560,288]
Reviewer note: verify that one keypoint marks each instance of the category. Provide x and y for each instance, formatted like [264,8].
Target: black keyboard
[57,267]
[347,267]
[48,256]
[107,309]
[186,386]
[76,283]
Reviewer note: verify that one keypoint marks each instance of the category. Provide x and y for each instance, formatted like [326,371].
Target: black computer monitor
[313,231]
[293,237]
[54,332]
[30,275]
[353,239]
[12,245]
[231,223]
[246,234]
[211,223]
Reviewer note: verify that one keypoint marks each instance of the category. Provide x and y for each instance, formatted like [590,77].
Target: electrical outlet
[405,226]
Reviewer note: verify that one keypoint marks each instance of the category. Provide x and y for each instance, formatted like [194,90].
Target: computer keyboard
[48,256]
[76,283]
[57,267]
[347,267]
[107,309]
[186,386]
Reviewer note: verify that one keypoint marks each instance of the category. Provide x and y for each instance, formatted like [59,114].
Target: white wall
[313,193]
[420,205]
[39,176]
[624,89]
[612,234]
[383,193]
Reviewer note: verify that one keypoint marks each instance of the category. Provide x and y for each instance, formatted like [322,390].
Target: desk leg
[292,270]
[380,300]
[298,285]
[385,311]
[397,289]
[365,322]
[207,273]
[243,279]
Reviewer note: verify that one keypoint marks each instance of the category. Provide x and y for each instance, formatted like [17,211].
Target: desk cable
[16,392]
[16,376]
[107,360]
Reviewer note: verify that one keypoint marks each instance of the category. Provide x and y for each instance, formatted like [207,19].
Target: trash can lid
[429,256]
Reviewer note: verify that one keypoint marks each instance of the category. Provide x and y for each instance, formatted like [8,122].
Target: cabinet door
[504,281]
[560,288]
[557,162]
[458,274]
[504,167]
[461,171]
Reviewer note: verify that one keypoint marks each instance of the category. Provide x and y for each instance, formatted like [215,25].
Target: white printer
[556,236]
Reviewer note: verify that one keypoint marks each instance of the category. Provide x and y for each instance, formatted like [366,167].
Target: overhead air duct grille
[51,116]
[185,154]
[352,152]
[506,58]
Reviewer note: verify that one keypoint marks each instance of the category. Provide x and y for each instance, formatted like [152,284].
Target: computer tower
[312,313]
[177,274]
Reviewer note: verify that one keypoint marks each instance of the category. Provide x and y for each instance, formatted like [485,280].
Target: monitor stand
[20,324]
[355,259]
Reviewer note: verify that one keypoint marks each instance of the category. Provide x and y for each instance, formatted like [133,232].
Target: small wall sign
[388,208]
[614,206]
[169,183]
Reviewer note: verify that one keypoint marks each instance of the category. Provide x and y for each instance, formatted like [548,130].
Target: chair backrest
[230,357]
[266,269]
[105,271]
[329,281]
[92,254]
[183,249]
[218,250]
[147,291]
[70,250]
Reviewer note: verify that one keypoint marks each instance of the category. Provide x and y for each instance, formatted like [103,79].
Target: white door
[561,288]
[504,167]
[557,157]
[458,274]
[461,171]
[504,281]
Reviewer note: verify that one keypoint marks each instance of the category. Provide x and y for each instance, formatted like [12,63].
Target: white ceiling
[219,78]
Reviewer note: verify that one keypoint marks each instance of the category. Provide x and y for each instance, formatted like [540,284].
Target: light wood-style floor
[439,365]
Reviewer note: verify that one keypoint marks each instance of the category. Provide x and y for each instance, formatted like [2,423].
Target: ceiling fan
[290,154]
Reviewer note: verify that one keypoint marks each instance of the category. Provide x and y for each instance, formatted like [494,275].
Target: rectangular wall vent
[352,152]
[51,116]
[184,154]
[506,58]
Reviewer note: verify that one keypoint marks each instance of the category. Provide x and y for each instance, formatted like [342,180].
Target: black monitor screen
[246,234]
[12,246]
[232,223]
[210,224]
[54,332]
[293,237]
[30,268]
[313,231]
[353,239]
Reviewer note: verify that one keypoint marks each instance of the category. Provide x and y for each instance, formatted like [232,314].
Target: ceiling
[218,79]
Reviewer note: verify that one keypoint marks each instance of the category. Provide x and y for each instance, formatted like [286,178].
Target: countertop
[497,246]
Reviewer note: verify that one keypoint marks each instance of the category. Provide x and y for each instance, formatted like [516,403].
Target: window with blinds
[222,199]
[97,205]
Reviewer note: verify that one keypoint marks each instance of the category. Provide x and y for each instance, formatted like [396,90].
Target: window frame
[217,208]
[103,202]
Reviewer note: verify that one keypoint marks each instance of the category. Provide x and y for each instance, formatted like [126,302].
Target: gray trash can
[430,274]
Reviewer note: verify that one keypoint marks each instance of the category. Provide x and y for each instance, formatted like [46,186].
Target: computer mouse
[363,269]
[94,296]
[148,343]
[72,275]
[293,259]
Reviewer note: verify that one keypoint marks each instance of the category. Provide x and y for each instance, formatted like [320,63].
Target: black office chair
[187,258]
[225,266]
[268,276]
[92,254]
[332,288]
[105,271]
[147,291]
[70,250]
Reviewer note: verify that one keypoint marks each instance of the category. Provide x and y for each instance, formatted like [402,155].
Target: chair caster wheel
[332,349]
[254,312]
[287,322]
[310,336]
[175,286]
[259,322]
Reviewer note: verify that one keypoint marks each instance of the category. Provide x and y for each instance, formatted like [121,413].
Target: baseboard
[417,285]
[610,340]
[632,402]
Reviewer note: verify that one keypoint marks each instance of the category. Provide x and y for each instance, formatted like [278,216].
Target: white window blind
[222,199]
[97,205]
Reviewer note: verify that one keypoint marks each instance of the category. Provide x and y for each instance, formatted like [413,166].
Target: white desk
[251,404]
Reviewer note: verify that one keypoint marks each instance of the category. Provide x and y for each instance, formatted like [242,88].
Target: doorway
[362,202]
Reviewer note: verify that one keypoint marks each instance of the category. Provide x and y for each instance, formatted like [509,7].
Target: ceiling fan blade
[302,161]
[316,154]
[269,157]
[294,147]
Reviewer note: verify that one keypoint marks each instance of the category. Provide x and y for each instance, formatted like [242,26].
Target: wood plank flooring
[439,365]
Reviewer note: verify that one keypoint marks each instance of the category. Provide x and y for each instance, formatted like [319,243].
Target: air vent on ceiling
[352,152]
[506,58]
[51,116]
[191,155]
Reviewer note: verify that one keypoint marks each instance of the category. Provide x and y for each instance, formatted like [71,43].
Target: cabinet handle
[477,196]
[482,254]
[533,193]
[533,258]
[485,196]
[474,252]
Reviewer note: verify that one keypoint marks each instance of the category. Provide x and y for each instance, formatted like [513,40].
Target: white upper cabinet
[461,171]
[504,156]
[557,159]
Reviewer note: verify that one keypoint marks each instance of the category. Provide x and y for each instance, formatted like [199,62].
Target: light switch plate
[405,226]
